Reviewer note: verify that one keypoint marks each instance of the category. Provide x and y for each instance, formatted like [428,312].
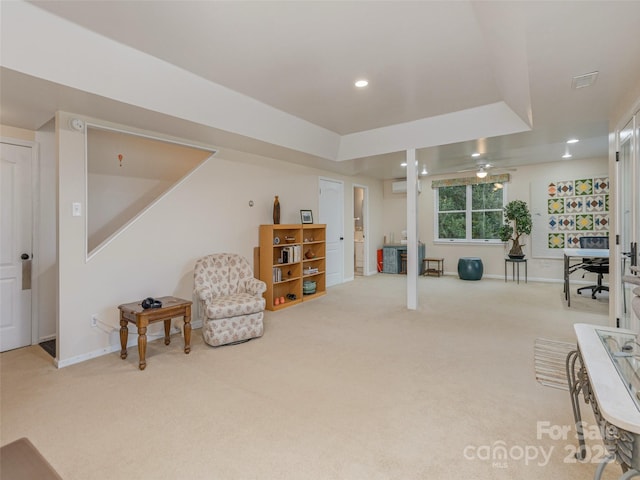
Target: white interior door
[15,270]
[629,215]
[331,213]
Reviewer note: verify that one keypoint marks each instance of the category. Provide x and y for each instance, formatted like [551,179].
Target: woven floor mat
[550,358]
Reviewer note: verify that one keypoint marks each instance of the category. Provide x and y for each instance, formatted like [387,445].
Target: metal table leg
[630,474]
[618,442]
[575,387]
[602,465]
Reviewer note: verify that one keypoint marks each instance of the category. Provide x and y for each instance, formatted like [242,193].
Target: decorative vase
[276,211]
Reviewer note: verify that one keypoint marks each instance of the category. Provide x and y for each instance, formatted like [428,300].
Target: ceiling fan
[482,169]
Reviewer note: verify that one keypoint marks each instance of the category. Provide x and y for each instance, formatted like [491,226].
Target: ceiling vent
[585,80]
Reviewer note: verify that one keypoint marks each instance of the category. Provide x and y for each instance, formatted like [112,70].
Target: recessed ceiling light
[403,164]
[573,140]
[424,170]
[476,154]
[567,155]
[361,83]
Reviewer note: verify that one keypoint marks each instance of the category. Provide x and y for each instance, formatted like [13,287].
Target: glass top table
[624,351]
[605,369]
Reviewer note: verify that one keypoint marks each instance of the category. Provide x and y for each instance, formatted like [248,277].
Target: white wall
[114,200]
[17,133]
[207,212]
[492,255]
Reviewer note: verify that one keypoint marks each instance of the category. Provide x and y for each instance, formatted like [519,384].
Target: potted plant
[517,222]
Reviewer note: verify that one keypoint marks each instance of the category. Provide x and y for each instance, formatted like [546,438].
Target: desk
[515,262]
[133,312]
[581,253]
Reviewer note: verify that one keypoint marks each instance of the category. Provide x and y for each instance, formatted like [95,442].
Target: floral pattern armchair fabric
[230,298]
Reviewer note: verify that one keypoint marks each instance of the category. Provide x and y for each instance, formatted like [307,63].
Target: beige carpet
[349,386]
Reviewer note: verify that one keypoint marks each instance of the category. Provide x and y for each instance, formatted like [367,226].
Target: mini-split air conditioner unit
[401,187]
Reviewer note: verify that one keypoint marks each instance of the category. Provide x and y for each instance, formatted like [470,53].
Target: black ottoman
[470,268]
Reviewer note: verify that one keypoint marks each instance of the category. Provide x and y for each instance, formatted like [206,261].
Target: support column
[412,230]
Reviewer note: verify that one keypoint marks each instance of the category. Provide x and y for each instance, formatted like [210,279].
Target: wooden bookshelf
[289,256]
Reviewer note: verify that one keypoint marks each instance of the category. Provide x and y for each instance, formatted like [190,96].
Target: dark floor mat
[20,460]
[50,347]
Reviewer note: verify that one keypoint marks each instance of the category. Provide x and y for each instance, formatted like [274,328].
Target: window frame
[468,217]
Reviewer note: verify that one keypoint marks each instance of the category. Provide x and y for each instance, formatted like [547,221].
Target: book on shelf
[277,274]
[291,254]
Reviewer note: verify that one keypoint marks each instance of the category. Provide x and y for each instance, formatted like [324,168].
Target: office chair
[600,266]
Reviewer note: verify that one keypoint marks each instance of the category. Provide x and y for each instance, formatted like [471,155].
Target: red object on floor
[380,260]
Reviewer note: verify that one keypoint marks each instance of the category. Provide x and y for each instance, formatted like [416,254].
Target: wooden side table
[133,312]
[430,270]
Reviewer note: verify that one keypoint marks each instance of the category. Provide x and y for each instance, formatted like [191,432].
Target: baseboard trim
[46,338]
[530,279]
[115,347]
[501,277]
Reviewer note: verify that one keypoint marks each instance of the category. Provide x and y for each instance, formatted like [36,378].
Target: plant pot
[516,257]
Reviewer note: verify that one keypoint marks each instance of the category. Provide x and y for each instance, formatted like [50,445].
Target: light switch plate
[76,209]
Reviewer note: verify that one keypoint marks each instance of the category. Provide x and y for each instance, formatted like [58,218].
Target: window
[469,212]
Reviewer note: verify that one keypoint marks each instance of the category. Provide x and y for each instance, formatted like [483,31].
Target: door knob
[26,271]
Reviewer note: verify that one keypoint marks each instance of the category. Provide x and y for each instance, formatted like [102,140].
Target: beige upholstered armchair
[230,299]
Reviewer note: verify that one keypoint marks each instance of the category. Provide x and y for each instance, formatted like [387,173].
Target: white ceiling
[422,59]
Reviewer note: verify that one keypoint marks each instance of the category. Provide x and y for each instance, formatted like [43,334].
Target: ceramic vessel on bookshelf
[276,211]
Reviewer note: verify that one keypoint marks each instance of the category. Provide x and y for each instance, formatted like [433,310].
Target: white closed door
[628,217]
[331,213]
[15,246]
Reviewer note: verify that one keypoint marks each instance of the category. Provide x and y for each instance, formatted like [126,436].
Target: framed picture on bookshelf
[306,216]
